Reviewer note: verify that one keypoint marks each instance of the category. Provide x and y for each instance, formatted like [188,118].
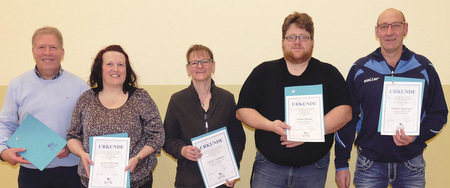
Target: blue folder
[42,143]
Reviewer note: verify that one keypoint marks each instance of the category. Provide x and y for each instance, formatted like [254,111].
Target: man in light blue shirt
[48,93]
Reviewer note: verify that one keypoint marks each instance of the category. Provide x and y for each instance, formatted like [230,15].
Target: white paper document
[217,163]
[110,156]
[401,105]
[304,113]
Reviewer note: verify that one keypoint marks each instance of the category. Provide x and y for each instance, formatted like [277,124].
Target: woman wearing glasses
[200,108]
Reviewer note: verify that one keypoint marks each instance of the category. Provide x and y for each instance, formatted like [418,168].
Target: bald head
[391,28]
[391,13]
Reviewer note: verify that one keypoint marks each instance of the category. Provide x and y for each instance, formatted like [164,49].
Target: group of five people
[114,104]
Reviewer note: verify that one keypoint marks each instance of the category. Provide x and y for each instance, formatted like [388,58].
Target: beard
[297,58]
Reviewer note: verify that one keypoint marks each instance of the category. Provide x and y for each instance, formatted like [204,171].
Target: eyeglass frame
[302,38]
[385,26]
[204,62]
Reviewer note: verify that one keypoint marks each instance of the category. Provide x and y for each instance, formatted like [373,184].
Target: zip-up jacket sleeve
[435,109]
[346,135]
[173,143]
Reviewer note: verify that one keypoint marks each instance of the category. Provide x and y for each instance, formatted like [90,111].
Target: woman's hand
[230,183]
[86,161]
[191,153]
[132,163]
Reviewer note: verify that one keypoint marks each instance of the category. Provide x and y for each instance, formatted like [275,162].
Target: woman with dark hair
[116,105]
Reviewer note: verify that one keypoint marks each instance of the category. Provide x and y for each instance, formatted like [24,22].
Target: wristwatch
[138,157]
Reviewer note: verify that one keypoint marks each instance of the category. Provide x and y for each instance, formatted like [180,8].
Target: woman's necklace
[202,102]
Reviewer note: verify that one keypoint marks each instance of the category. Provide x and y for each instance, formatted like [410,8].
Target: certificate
[110,156]
[304,113]
[401,105]
[217,163]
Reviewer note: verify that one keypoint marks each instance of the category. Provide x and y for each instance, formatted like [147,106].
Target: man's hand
[191,153]
[401,139]
[343,178]
[279,127]
[289,144]
[63,153]
[13,157]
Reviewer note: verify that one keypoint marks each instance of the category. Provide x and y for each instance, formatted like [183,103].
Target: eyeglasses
[394,26]
[204,62]
[293,38]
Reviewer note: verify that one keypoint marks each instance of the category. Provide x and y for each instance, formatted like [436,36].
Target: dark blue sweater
[365,81]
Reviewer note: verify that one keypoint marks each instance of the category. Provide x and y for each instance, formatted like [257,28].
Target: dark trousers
[64,177]
[146,185]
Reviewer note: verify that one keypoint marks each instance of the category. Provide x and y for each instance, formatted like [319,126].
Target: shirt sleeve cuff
[1,151]
[341,168]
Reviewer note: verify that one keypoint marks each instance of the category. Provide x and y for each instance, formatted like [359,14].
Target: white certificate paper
[304,113]
[217,163]
[110,156]
[401,105]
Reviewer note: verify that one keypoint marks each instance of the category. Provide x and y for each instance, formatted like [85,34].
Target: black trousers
[146,185]
[64,177]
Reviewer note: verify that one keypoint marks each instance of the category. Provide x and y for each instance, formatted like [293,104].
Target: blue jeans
[408,174]
[268,174]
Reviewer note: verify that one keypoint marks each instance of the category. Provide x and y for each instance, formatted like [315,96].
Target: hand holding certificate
[304,113]
[217,163]
[401,105]
[110,156]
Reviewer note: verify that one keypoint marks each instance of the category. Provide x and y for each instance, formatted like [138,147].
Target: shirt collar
[57,75]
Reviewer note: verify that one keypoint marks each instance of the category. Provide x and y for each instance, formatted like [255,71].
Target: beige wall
[436,155]
[242,34]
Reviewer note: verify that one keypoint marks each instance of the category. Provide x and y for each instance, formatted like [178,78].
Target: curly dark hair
[96,80]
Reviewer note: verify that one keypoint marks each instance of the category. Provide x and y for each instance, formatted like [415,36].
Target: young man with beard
[388,159]
[279,162]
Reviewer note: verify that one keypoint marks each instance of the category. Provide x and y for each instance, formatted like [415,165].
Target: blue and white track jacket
[365,81]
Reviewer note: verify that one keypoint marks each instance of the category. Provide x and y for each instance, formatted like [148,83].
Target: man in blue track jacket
[384,159]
